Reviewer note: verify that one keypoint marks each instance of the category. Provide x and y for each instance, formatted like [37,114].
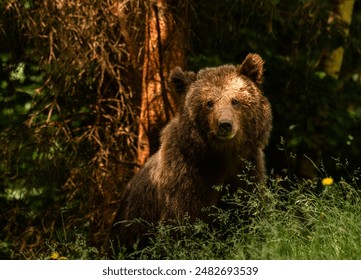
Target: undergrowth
[293,219]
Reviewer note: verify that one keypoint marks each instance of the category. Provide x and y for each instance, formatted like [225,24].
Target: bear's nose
[225,127]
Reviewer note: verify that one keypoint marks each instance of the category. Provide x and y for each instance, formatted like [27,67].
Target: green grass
[295,219]
[298,220]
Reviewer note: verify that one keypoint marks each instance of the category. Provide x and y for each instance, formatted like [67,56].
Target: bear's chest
[219,170]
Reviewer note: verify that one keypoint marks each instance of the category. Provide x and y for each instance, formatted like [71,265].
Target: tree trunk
[163,50]
[343,11]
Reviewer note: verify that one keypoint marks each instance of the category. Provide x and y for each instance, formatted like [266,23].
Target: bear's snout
[225,127]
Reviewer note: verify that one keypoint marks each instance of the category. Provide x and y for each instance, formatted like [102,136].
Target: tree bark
[163,50]
[343,11]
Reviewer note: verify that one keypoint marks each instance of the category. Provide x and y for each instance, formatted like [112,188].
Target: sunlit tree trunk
[343,10]
[163,50]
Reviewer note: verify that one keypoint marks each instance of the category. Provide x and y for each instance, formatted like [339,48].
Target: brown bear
[223,122]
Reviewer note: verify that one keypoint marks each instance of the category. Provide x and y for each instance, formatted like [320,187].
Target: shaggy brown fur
[224,120]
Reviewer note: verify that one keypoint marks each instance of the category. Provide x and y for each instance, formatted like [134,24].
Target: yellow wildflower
[328,181]
[54,255]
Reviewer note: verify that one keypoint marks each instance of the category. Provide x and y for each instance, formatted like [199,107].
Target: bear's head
[225,104]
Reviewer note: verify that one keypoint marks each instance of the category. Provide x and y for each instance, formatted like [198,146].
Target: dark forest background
[84,93]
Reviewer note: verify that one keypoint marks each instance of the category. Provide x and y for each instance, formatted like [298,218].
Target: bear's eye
[235,102]
[210,104]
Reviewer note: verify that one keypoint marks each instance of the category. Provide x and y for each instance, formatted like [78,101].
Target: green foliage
[30,167]
[71,245]
[300,219]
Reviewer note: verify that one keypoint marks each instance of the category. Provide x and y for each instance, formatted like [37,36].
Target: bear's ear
[252,67]
[181,80]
